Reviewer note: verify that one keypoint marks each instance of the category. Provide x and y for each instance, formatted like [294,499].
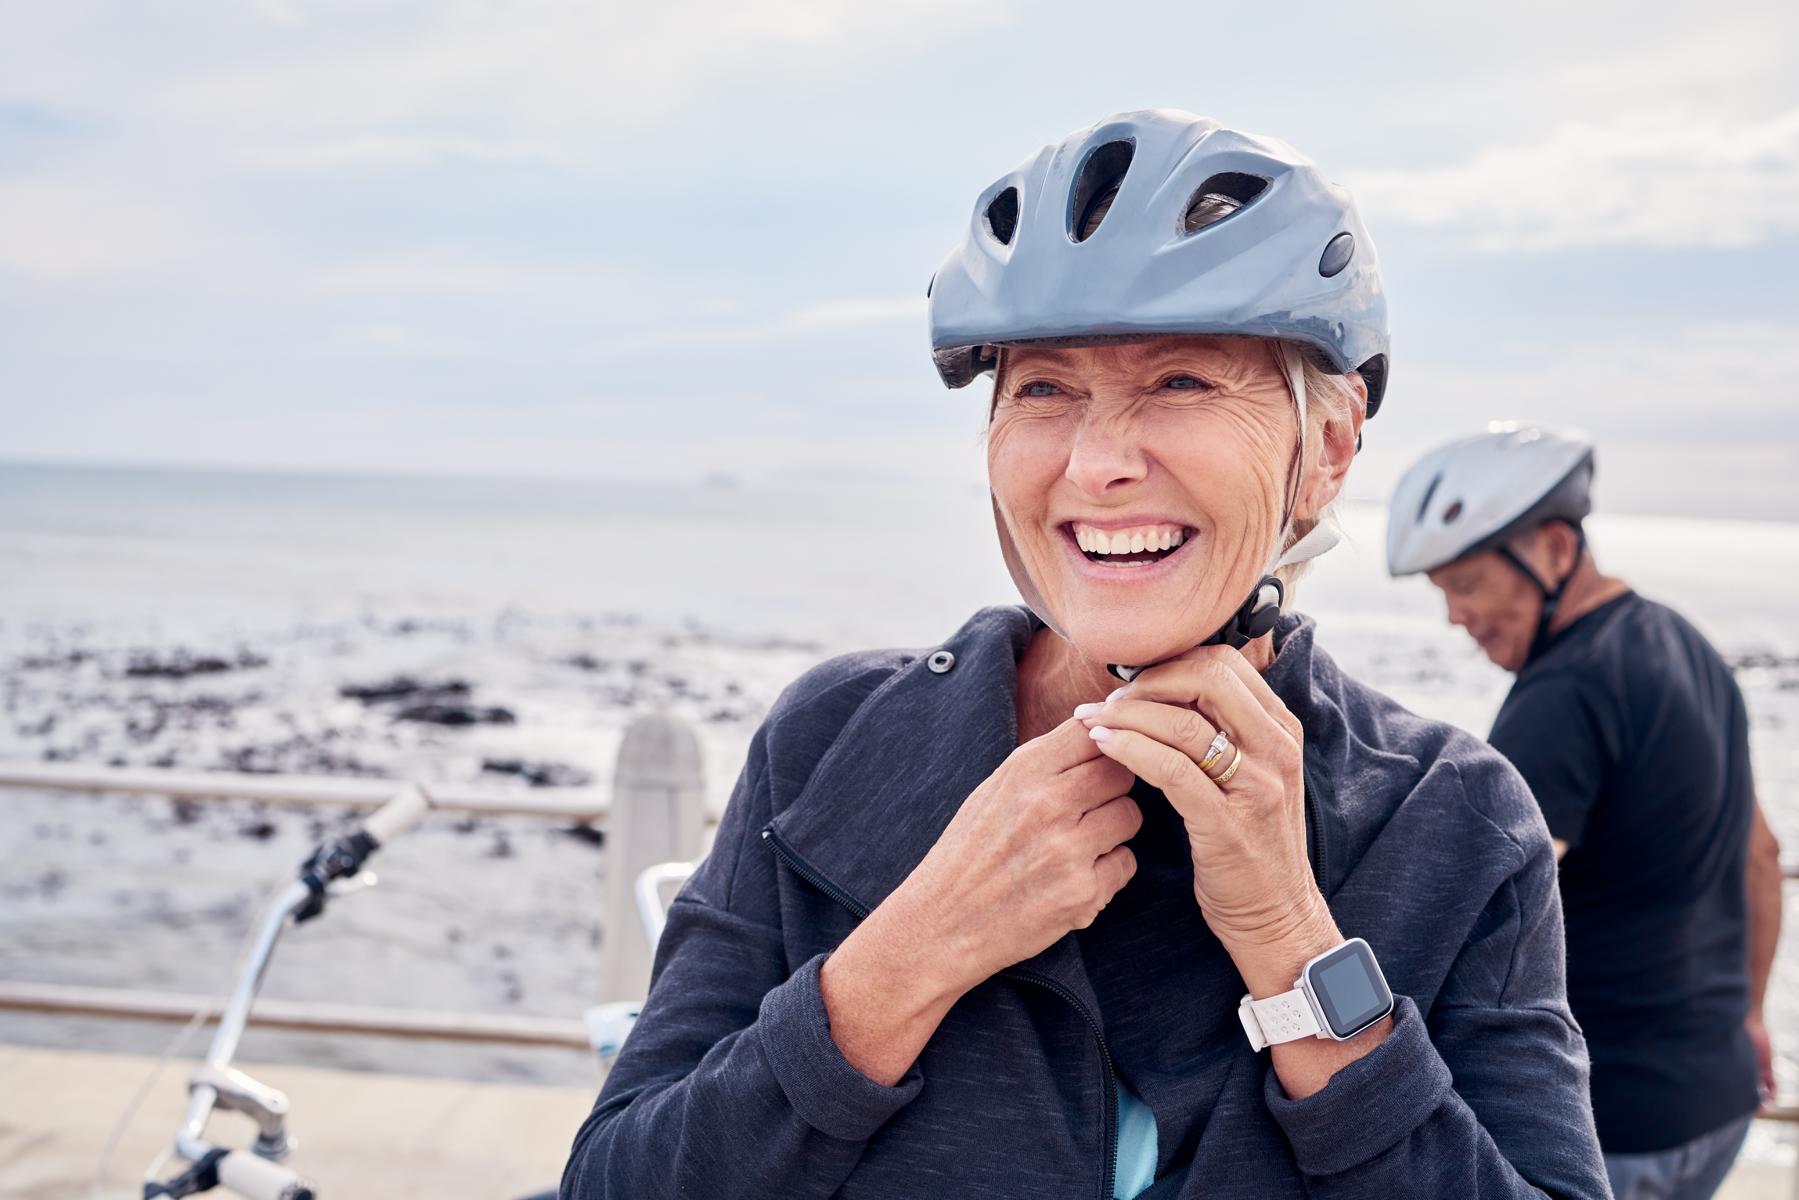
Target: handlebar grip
[257,1178]
[397,815]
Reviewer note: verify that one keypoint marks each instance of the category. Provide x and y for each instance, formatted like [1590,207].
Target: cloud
[1668,180]
[397,154]
[805,321]
[1697,424]
[68,230]
[558,77]
[443,273]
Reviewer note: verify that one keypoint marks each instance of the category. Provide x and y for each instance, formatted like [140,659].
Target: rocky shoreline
[479,913]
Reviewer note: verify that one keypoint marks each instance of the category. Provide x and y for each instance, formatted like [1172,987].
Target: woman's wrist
[1271,958]
[886,988]
[1270,964]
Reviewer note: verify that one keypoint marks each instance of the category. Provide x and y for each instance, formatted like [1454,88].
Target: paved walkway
[361,1134]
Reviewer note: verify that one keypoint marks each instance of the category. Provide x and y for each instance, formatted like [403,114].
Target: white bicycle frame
[257,1174]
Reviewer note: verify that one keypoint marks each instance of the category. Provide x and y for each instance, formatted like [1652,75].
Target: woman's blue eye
[1038,388]
[1186,383]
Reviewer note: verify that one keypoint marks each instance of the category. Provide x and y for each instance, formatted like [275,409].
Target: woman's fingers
[1175,725]
[1115,821]
[1162,766]
[1094,782]
[1114,869]
[1209,684]
[1061,749]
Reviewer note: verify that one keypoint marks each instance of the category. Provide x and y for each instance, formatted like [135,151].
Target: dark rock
[456,714]
[183,664]
[55,662]
[587,662]
[586,833]
[403,687]
[538,774]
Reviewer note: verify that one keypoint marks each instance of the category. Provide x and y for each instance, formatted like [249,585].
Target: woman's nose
[1105,452]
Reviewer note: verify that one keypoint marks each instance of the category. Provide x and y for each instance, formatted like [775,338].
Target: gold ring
[1215,752]
[1230,770]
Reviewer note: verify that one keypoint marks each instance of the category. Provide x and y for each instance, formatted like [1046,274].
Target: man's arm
[1764,882]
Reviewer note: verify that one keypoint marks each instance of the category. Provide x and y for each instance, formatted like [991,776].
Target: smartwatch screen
[1349,988]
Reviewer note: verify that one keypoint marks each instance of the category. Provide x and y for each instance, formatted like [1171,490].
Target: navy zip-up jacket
[1424,840]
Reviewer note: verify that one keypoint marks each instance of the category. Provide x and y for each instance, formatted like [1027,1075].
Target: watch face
[1350,990]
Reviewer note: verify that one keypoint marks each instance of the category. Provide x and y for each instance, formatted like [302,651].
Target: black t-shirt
[1632,733]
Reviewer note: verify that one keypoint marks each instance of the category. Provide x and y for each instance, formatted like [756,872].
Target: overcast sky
[664,239]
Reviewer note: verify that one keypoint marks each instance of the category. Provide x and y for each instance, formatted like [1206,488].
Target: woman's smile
[1145,566]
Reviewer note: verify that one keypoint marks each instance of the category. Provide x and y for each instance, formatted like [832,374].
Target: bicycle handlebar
[397,815]
[257,1178]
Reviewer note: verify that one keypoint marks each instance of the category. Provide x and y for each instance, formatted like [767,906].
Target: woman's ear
[1336,449]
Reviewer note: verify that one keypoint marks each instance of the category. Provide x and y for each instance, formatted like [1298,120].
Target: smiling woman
[1082,913]
[1225,402]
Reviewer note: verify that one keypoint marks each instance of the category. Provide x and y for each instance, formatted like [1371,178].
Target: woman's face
[1181,440]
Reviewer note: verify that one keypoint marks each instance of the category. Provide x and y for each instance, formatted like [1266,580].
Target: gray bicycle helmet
[1163,222]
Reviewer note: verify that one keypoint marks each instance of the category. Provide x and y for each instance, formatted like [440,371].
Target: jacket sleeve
[1486,1095]
[730,1084]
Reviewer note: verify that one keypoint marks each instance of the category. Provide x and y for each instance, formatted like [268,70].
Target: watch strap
[1283,1018]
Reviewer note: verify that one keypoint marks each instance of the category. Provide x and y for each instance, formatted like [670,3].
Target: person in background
[1631,731]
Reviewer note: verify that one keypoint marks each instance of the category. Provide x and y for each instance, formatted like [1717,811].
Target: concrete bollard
[657,814]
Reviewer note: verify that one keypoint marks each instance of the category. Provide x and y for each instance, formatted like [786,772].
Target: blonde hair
[1330,399]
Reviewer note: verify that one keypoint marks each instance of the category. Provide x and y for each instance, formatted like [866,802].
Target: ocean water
[573,606]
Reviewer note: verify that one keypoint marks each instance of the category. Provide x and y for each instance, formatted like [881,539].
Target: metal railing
[316,791]
[574,804]
[306,1017]
[654,813]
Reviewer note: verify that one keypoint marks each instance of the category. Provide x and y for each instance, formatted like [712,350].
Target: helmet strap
[1552,597]
[1258,616]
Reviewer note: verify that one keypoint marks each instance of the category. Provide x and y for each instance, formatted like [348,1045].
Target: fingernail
[1099,733]
[1087,710]
[1117,692]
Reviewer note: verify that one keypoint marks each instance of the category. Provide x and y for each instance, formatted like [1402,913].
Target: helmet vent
[1452,512]
[1220,197]
[1424,504]
[1096,186]
[1002,216]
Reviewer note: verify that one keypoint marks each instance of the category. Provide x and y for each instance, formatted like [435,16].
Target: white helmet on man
[1479,493]
[1476,493]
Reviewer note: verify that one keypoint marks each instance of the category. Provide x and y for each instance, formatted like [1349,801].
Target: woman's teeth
[1129,547]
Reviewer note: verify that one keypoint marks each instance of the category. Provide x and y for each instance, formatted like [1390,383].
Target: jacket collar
[924,740]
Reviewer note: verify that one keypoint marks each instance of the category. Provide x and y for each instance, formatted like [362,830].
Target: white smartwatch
[1338,994]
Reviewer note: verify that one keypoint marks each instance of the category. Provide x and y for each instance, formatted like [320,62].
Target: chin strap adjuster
[1257,618]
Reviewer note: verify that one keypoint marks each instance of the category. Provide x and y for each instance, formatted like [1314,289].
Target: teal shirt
[1136,1145]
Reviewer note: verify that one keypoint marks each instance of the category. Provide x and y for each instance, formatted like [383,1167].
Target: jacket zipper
[806,871]
[1110,1123]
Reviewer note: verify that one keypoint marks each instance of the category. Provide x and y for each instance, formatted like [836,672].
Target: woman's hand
[1251,874]
[1034,852]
